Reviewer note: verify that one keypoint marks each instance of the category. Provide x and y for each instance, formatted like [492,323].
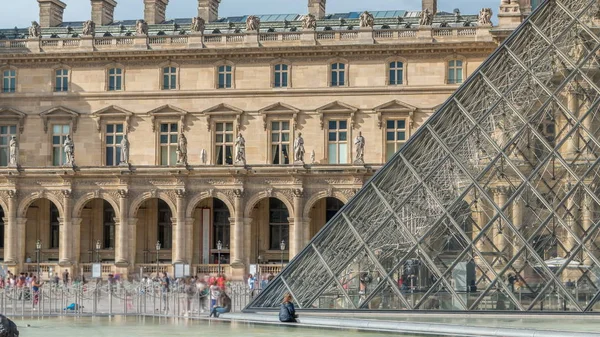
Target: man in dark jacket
[287,312]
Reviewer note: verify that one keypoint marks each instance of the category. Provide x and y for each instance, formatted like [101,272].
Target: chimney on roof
[155,11]
[51,12]
[317,8]
[103,11]
[208,10]
[431,4]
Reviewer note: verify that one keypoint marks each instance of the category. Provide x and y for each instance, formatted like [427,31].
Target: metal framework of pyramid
[493,204]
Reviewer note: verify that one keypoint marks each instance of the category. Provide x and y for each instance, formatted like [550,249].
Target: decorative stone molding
[168,111]
[397,109]
[298,192]
[60,114]
[112,112]
[279,110]
[123,193]
[10,115]
[180,193]
[337,109]
[223,111]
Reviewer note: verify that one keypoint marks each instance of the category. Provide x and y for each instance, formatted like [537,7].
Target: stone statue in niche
[299,149]
[426,18]
[35,31]
[309,22]
[359,143]
[69,149]
[198,25]
[14,152]
[89,28]
[367,20]
[141,27]
[124,160]
[252,23]
[182,158]
[240,150]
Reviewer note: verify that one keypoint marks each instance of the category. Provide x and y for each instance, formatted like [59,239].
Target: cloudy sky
[22,12]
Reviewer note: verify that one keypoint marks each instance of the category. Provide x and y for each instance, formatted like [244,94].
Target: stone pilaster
[499,231]
[180,244]
[517,220]
[237,242]
[131,239]
[11,230]
[76,243]
[65,252]
[587,222]
[572,146]
[297,232]
[122,237]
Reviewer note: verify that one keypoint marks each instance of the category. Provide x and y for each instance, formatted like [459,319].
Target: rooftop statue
[485,17]
[309,22]
[198,25]
[252,23]
[35,30]
[426,18]
[367,20]
[141,27]
[89,28]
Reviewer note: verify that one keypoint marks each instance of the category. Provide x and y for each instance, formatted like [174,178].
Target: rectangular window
[225,77]
[396,73]
[395,136]
[280,142]
[279,227]
[9,81]
[169,134]
[61,80]
[115,79]
[337,142]
[113,137]
[338,74]
[169,78]
[59,134]
[6,133]
[108,233]
[224,143]
[455,72]
[165,227]
[281,76]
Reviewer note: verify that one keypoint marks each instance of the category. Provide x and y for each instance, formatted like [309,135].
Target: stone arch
[28,200]
[320,195]
[4,204]
[82,201]
[255,199]
[197,198]
[140,199]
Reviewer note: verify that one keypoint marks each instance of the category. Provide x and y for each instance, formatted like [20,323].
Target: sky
[21,12]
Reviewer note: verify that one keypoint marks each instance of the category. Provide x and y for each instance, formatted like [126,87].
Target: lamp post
[282,247]
[38,250]
[98,246]
[219,247]
[157,251]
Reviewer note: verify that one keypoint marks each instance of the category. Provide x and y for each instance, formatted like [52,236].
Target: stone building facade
[326,79]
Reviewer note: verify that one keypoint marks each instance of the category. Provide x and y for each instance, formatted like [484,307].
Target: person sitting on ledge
[225,306]
[287,312]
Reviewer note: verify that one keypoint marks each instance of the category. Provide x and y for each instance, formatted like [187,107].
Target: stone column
[179,251]
[65,252]
[11,230]
[517,220]
[76,240]
[122,235]
[297,232]
[571,220]
[237,242]
[499,237]
[587,221]
[573,142]
[131,240]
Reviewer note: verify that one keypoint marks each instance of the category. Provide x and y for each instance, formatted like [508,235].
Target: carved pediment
[394,107]
[60,113]
[112,112]
[224,110]
[339,108]
[279,109]
[13,115]
[168,111]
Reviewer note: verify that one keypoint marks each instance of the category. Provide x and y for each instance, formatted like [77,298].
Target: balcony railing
[266,39]
[212,269]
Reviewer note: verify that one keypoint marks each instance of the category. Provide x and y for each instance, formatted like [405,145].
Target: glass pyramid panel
[494,203]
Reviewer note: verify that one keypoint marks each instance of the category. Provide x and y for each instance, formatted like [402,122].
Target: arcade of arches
[78,229]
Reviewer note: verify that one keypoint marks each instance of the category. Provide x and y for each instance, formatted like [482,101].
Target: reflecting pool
[148,326]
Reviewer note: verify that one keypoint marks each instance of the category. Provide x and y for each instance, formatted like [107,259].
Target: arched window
[279,226]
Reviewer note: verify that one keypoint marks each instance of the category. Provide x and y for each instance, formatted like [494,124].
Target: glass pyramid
[493,204]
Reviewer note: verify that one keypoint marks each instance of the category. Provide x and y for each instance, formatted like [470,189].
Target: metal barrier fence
[115,299]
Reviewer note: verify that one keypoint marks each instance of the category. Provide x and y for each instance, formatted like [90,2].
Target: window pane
[118,140]
[228,155]
[110,128]
[459,76]
[459,63]
[13,129]
[343,125]
[332,125]
[342,66]
[164,155]
[118,85]
[343,136]
[229,126]
[219,126]
[332,153]
[401,136]
[284,153]
[4,129]
[219,155]
[390,149]
[284,82]
[229,138]
[109,156]
[399,77]
[56,156]
[164,127]
[275,154]
[173,139]
[342,78]
[390,136]
[334,66]
[173,155]
[55,140]
[285,125]
[119,127]
[109,140]
[219,138]
[4,157]
[343,154]
[332,136]
[275,137]
[275,126]
[285,137]
[402,124]
[173,127]
[392,77]
[228,83]
[390,124]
